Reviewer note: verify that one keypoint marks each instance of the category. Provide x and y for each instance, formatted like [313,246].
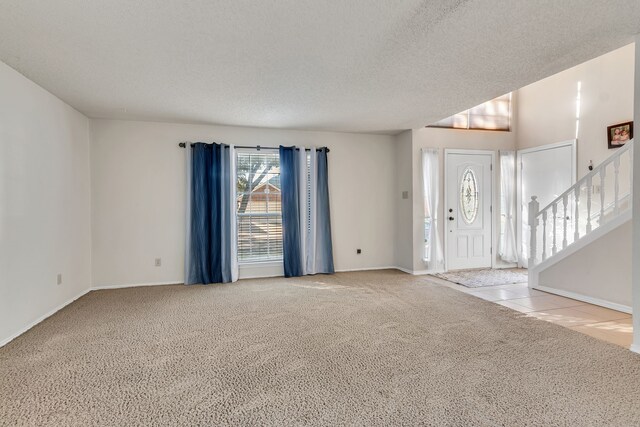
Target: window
[492,115]
[468,196]
[259,206]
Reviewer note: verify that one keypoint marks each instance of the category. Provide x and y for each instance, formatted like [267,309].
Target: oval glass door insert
[469,196]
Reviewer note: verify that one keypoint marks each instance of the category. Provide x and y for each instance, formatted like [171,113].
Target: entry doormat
[485,277]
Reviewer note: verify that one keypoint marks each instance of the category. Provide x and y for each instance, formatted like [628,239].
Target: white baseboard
[392,267]
[422,272]
[41,318]
[347,270]
[585,298]
[344,270]
[259,276]
[635,348]
[415,272]
[134,285]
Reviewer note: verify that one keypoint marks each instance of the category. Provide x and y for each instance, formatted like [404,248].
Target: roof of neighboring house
[272,188]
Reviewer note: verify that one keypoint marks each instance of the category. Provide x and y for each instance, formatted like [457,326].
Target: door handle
[450,218]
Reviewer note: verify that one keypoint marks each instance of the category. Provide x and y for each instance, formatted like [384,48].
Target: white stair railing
[596,199]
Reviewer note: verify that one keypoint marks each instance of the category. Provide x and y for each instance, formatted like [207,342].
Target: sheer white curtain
[312,213]
[508,248]
[306,241]
[313,233]
[433,256]
[187,246]
[230,254]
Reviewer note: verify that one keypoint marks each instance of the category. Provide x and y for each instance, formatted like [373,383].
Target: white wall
[135,173]
[138,206]
[138,188]
[547,114]
[600,270]
[404,207]
[544,113]
[547,109]
[448,139]
[635,220]
[44,203]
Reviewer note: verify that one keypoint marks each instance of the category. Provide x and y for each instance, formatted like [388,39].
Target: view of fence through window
[259,206]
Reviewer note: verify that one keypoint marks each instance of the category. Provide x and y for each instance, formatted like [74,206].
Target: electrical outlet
[59,279]
[405,195]
[358,251]
[158,262]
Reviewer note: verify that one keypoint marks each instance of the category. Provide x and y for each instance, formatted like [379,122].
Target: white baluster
[533,223]
[603,175]
[554,210]
[589,191]
[576,221]
[544,235]
[564,222]
[616,188]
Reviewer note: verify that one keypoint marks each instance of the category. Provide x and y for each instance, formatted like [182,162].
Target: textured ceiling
[349,65]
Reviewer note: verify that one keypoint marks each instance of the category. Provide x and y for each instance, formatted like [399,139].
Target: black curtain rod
[257,147]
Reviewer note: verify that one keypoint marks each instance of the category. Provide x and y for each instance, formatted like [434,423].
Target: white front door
[468,198]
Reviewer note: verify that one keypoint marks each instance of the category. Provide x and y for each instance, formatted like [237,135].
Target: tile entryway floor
[598,322]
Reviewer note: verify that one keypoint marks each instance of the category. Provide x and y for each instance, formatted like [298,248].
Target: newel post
[534,206]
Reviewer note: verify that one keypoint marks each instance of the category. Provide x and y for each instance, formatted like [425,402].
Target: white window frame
[276,260]
[468,114]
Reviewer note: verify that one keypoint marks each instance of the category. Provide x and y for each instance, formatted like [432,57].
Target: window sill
[269,263]
[256,269]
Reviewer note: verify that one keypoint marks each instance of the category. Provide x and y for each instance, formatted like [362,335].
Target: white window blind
[491,115]
[259,206]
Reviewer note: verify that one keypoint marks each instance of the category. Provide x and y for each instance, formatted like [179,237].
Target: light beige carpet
[368,348]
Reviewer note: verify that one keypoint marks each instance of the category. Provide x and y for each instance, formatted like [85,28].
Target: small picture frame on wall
[620,134]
